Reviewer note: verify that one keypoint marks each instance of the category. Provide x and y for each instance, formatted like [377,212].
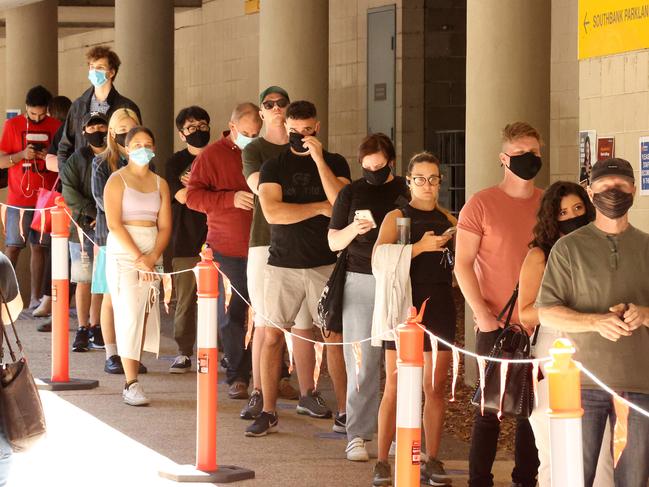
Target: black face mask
[567,226]
[377,177]
[526,166]
[198,139]
[95,139]
[121,139]
[613,203]
[295,139]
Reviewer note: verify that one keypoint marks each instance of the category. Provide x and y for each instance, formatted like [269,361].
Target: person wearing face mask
[494,229]
[189,230]
[379,191]
[595,291]
[102,97]
[565,207]
[24,162]
[76,179]
[103,165]
[218,189]
[297,190]
[138,213]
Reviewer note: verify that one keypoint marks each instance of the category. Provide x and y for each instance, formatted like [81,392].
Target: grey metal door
[381,62]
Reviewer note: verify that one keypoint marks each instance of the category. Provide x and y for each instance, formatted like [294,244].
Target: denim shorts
[99,283]
[81,265]
[12,230]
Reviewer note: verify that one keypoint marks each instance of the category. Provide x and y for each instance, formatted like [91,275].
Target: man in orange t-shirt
[494,230]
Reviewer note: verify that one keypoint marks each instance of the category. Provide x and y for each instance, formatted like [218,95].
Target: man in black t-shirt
[189,229]
[297,190]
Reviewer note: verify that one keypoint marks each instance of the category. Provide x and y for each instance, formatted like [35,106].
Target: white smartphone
[364,215]
[450,231]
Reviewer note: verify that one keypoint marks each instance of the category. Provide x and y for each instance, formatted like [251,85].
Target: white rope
[606,388]
[27,209]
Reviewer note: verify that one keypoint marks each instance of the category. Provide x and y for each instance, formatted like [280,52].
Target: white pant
[540,423]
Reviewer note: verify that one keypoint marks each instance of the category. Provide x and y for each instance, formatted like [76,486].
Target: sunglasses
[270,104]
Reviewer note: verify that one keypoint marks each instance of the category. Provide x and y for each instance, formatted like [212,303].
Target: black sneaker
[313,405]
[382,474]
[181,365]
[95,338]
[142,369]
[433,473]
[80,343]
[252,410]
[45,327]
[114,365]
[264,424]
[340,423]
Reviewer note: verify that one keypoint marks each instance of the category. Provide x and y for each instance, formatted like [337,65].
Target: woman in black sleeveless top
[431,278]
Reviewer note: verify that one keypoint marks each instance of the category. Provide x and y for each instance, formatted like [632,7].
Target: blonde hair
[112,155]
[429,158]
[516,130]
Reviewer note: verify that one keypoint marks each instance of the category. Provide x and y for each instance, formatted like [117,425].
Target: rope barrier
[27,209]
[534,361]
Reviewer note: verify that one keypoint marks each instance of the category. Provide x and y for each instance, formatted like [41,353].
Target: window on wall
[449,147]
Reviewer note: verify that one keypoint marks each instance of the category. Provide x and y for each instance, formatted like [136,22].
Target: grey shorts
[81,263]
[285,290]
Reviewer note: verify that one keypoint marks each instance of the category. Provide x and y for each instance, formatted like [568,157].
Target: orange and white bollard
[207,366]
[60,378]
[410,368]
[565,413]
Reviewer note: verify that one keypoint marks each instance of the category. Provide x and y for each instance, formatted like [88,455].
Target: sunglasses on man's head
[281,102]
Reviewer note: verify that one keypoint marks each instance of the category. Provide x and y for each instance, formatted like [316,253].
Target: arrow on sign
[586,23]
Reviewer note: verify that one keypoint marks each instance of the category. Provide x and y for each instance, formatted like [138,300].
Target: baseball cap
[93,118]
[612,167]
[273,89]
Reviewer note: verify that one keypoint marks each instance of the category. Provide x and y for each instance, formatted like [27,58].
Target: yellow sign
[612,26]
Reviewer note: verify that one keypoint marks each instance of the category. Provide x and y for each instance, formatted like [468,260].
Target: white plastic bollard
[566,454]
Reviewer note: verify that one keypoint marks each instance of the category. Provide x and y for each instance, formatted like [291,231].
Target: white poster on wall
[644,166]
[587,148]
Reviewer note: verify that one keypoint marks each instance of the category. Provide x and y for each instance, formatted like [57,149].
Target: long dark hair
[546,231]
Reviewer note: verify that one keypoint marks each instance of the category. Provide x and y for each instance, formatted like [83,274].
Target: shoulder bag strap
[509,307]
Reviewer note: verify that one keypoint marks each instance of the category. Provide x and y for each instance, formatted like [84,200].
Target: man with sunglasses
[494,230]
[297,190]
[189,230]
[23,148]
[595,288]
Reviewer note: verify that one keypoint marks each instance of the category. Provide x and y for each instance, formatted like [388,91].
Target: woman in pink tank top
[138,213]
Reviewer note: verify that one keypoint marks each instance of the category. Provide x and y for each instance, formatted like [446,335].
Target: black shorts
[439,316]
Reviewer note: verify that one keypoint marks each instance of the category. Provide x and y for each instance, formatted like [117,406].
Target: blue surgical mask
[243,140]
[141,156]
[97,78]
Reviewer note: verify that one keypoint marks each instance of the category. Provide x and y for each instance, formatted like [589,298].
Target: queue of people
[279,211]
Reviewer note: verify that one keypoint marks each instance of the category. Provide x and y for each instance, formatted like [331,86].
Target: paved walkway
[94,438]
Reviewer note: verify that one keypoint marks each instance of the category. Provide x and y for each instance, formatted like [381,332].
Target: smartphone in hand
[450,232]
[365,215]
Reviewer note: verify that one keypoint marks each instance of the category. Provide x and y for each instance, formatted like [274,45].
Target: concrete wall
[348,77]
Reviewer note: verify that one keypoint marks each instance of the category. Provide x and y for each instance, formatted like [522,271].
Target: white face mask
[243,140]
[141,156]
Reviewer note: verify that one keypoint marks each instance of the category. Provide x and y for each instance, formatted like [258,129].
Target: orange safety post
[60,378]
[207,366]
[565,413]
[410,366]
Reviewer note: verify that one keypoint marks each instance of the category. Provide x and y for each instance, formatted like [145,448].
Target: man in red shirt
[218,188]
[23,147]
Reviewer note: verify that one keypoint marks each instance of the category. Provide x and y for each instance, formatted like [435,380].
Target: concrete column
[32,50]
[144,41]
[507,79]
[294,52]
[32,59]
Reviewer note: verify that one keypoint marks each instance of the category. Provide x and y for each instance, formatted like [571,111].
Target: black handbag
[518,397]
[330,304]
[20,405]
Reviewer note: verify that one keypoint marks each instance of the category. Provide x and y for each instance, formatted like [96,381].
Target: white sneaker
[134,395]
[356,451]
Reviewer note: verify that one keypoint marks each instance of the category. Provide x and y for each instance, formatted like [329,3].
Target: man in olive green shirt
[596,289]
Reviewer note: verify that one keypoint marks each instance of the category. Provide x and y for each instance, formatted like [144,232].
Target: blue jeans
[633,468]
[5,458]
[232,324]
